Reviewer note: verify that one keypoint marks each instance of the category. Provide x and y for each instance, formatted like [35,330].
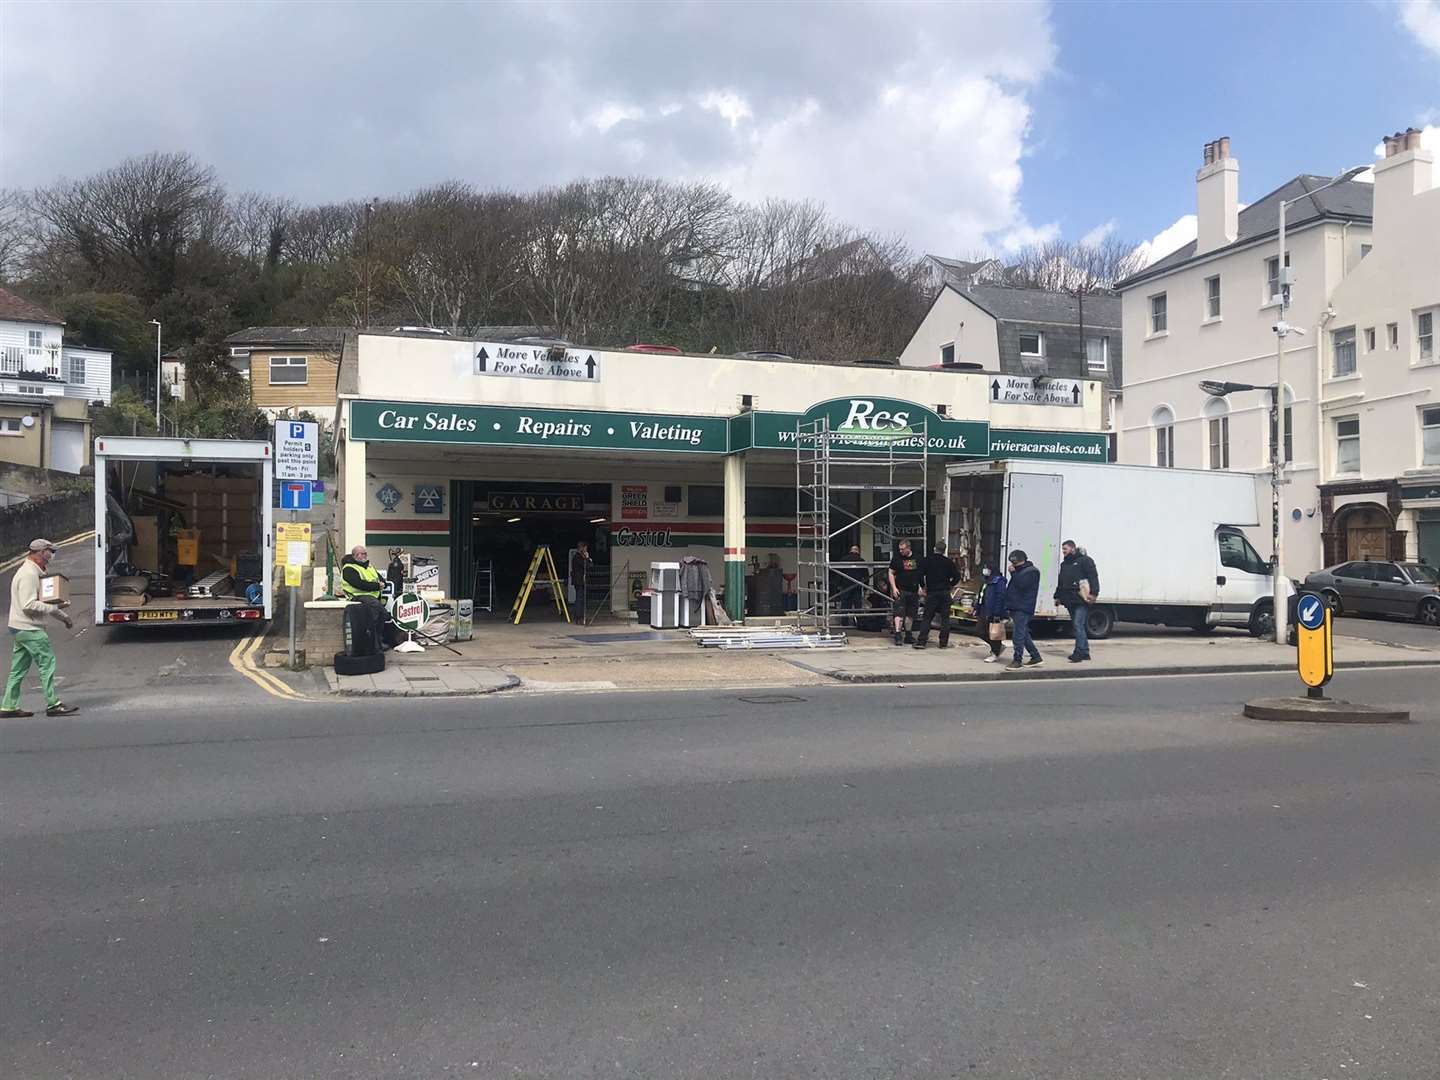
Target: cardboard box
[187,546]
[55,589]
[145,548]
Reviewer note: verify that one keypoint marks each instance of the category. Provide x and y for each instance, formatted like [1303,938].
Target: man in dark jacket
[990,610]
[1077,588]
[939,578]
[905,583]
[1020,598]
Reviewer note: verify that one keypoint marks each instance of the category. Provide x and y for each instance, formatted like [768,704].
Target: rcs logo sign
[866,415]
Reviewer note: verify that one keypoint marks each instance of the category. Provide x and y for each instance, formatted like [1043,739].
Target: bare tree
[1060,265]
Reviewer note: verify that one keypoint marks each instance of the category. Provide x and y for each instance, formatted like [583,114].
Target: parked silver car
[1404,589]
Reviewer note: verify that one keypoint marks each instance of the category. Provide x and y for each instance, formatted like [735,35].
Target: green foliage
[127,414]
[114,321]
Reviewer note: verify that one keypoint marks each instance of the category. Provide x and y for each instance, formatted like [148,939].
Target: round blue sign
[1310,612]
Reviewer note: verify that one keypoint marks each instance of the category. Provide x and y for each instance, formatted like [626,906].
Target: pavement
[552,656]
[1113,878]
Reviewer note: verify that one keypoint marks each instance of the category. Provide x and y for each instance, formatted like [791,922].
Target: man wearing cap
[29,641]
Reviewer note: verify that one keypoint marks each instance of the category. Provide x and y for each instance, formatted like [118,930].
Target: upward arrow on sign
[1075,393]
[590,367]
[480,359]
[995,390]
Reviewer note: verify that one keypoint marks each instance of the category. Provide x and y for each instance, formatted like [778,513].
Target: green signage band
[1049,445]
[865,425]
[487,425]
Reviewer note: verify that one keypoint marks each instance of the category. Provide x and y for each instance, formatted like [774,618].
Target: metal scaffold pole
[836,474]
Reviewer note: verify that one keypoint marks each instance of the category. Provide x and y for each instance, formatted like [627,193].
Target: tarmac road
[1107,879]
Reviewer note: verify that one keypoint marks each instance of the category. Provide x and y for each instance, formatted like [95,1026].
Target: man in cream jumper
[28,640]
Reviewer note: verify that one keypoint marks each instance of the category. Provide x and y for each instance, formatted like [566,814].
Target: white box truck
[183,531]
[1168,544]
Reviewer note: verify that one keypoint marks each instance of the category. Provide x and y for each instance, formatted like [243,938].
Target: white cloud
[1026,235]
[1422,18]
[923,138]
[1097,236]
[1169,239]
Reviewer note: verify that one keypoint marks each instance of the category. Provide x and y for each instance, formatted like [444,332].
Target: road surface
[1109,878]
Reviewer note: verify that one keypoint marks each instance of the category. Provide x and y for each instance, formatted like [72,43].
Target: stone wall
[56,517]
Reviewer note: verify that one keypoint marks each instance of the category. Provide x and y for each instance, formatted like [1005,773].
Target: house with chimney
[1356,364]
[1042,340]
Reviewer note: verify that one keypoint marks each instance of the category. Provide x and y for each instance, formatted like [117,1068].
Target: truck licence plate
[157,616]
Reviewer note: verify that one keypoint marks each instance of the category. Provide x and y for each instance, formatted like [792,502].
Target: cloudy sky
[960,126]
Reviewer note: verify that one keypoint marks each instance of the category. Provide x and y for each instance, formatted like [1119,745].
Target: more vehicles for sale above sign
[1019,390]
[536,362]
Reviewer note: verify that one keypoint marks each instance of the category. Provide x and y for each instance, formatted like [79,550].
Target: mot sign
[297,450]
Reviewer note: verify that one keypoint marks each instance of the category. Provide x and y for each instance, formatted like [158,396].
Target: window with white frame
[1159,314]
[1425,335]
[947,353]
[1370,339]
[1289,426]
[75,370]
[1347,444]
[1097,353]
[1392,335]
[1032,343]
[1342,346]
[34,339]
[1217,429]
[1163,421]
[31,389]
[1272,276]
[11,425]
[289,370]
[1212,297]
[1430,436]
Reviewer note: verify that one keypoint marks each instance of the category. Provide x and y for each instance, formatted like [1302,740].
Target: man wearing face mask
[29,643]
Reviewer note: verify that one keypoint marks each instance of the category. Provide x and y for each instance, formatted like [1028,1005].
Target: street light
[155,323]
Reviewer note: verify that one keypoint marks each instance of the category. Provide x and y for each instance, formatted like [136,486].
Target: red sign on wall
[634,501]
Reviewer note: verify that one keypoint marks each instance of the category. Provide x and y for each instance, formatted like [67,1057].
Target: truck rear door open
[1032,524]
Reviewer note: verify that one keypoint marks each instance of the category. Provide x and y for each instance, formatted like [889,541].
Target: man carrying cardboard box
[29,641]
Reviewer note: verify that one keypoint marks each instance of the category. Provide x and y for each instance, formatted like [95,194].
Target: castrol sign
[409,611]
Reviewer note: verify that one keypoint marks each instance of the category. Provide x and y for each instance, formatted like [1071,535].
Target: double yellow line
[10,564]
[242,659]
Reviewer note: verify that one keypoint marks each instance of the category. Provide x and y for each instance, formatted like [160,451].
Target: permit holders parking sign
[297,450]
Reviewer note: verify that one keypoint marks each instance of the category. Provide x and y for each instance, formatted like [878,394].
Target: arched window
[1217,430]
[1289,426]
[1163,421]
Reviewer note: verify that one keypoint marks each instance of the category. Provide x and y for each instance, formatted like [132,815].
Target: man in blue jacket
[1020,598]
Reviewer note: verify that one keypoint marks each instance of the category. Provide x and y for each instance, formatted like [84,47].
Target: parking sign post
[297,467]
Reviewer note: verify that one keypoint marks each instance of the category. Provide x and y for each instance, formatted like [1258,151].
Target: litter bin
[665,603]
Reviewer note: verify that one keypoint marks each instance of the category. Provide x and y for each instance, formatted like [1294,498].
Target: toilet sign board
[1314,640]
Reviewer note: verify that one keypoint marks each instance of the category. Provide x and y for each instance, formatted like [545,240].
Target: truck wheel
[1102,622]
[1429,613]
[1262,619]
[358,665]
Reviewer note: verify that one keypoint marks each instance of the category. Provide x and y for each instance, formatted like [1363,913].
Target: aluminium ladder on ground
[892,473]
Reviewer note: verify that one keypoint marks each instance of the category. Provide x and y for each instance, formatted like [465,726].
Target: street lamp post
[1277,452]
[155,323]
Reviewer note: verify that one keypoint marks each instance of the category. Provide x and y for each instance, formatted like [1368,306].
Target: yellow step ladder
[541,560]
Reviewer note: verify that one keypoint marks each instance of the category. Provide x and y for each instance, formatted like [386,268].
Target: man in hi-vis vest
[358,579]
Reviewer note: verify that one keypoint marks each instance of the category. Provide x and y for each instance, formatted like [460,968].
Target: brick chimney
[1217,197]
[1407,170]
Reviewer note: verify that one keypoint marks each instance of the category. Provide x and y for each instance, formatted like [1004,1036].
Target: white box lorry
[1168,544]
[219,492]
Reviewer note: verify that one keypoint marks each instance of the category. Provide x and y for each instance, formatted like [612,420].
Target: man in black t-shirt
[940,578]
[905,579]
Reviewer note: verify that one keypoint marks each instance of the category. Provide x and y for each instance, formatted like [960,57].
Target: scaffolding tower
[832,591]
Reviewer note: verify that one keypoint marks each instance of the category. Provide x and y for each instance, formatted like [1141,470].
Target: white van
[1169,544]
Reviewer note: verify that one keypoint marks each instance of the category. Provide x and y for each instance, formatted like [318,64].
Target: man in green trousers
[28,640]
